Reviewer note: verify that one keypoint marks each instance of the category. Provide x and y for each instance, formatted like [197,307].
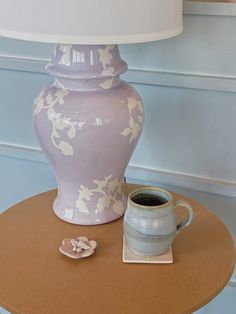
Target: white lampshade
[90,21]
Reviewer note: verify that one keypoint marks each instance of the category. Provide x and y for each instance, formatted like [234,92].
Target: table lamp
[88,121]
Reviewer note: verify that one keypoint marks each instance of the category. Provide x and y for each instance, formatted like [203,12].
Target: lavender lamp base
[88,123]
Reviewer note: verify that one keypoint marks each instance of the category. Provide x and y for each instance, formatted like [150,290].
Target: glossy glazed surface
[88,123]
[150,230]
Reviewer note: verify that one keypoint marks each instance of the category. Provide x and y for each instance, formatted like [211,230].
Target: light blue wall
[17,92]
[23,178]
[188,85]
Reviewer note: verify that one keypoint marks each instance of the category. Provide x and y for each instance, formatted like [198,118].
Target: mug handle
[186,221]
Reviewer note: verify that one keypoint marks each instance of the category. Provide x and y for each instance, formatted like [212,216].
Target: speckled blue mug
[150,222]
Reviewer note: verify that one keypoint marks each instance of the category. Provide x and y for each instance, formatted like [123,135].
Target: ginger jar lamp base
[88,123]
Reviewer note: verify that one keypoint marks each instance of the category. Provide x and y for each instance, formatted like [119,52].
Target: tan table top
[36,279]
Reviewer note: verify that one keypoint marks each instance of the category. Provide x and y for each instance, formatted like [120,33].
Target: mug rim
[169,201]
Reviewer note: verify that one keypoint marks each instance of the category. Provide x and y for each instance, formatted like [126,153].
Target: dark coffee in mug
[148,199]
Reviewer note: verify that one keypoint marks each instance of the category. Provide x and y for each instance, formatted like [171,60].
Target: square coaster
[129,257]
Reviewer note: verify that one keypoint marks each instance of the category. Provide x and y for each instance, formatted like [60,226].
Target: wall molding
[209,8]
[21,63]
[182,180]
[182,80]
[136,172]
[136,76]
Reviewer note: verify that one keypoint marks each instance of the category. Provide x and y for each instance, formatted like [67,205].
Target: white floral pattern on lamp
[88,123]
[135,125]
[105,57]
[58,124]
[110,191]
[107,83]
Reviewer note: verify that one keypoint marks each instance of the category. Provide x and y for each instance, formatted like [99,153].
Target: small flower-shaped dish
[78,248]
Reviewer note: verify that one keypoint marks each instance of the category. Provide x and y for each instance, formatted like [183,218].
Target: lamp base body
[88,123]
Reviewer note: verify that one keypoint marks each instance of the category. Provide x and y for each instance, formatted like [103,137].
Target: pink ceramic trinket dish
[78,248]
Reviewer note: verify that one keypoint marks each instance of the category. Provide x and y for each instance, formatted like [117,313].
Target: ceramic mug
[150,222]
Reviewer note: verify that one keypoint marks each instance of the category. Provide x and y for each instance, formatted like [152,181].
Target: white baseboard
[139,173]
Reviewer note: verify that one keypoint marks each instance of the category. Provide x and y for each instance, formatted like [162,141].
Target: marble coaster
[129,257]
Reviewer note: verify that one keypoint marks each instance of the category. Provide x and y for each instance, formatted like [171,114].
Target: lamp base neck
[86,67]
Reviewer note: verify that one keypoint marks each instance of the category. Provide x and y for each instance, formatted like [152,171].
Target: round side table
[36,279]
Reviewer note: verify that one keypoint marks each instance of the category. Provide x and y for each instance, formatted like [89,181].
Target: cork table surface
[36,279]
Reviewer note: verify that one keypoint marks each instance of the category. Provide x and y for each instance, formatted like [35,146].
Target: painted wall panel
[21,48]
[20,179]
[186,130]
[189,131]
[17,93]
[206,46]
